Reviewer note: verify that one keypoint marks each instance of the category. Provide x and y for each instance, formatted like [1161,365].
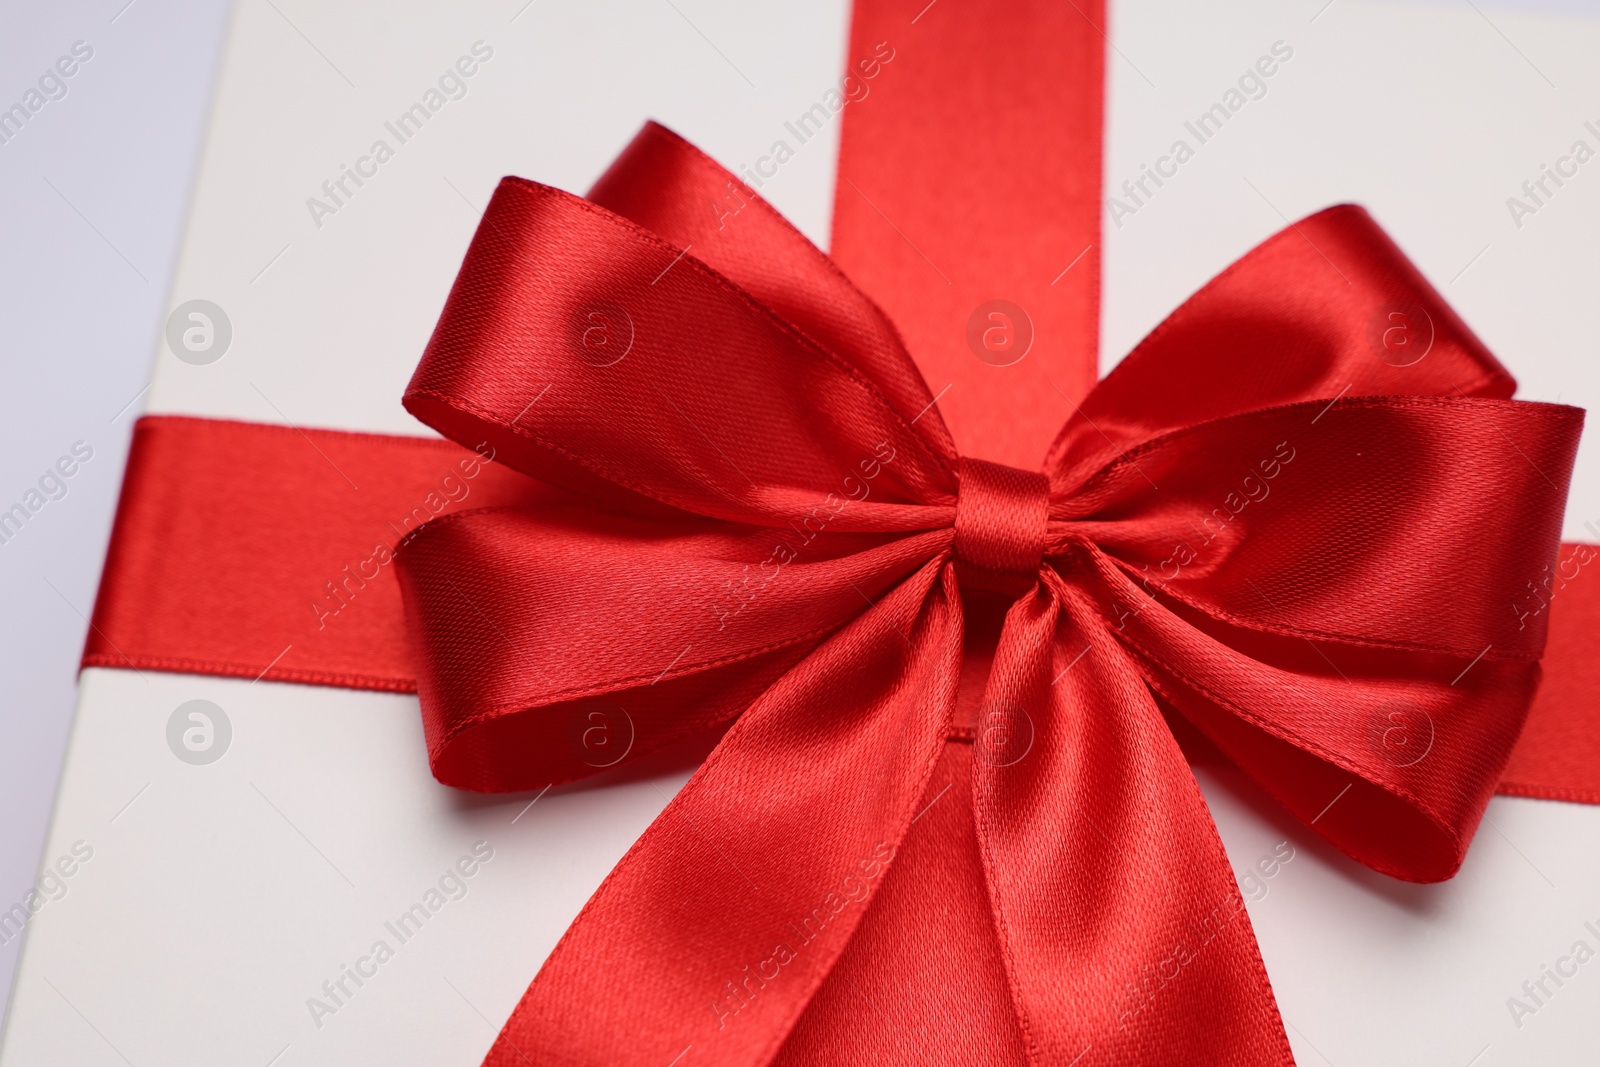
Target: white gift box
[223,898]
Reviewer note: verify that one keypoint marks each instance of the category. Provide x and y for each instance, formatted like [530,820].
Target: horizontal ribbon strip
[205,579]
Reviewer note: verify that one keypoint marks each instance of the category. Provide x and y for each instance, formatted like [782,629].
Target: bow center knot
[1001,518]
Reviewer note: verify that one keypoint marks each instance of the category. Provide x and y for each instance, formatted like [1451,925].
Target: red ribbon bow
[1272,525]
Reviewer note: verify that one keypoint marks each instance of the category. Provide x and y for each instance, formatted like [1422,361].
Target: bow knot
[1001,518]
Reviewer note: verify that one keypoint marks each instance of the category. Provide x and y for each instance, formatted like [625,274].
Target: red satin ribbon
[950,816]
[1254,523]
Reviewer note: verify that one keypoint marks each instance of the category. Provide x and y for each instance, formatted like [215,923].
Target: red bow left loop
[1254,523]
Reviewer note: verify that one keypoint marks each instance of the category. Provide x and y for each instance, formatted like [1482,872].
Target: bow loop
[1327,307]
[554,644]
[1391,757]
[1355,522]
[1293,582]
[593,354]
[673,189]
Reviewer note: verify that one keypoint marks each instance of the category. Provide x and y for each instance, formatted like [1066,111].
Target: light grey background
[93,194]
[95,190]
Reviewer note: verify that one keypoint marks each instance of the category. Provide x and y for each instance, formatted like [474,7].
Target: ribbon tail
[1123,931]
[709,939]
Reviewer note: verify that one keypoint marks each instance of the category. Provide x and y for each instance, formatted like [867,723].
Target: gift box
[251,857]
